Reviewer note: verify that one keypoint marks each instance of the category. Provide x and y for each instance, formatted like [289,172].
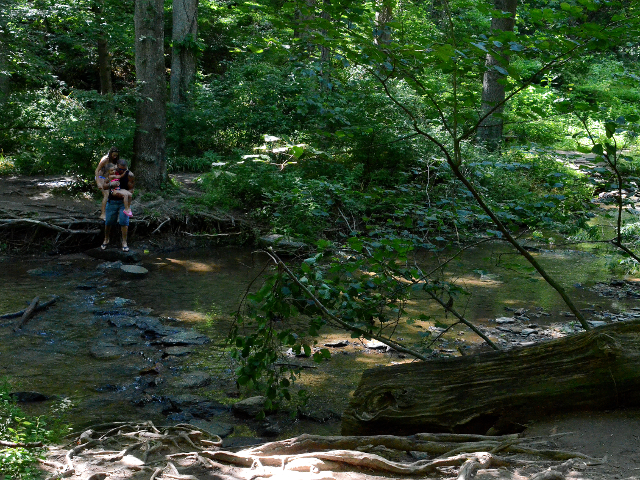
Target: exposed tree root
[76,231]
[183,452]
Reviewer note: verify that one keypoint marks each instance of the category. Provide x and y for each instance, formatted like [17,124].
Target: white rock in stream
[375,345]
[503,320]
[134,270]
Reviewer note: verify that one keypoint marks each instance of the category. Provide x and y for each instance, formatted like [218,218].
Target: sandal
[104,246]
[125,249]
[128,214]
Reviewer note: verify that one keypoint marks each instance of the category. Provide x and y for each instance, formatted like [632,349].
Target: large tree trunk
[183,55]
[149,144]
[384,15]
[104,65]
[599,369]
[490,129]
[104,59]
[5,76]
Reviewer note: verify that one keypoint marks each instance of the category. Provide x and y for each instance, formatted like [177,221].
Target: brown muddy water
[96,368]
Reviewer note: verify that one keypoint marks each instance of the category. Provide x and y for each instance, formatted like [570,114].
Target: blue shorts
[115,213]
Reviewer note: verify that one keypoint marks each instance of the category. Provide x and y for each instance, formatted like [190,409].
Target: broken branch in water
[38,308]
[28,314]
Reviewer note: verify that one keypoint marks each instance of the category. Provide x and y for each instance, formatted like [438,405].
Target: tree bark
[104,65]
[384,15]
[104,58]
[490,129]
[183,55]
[594,370]
[5,76]
[149,144]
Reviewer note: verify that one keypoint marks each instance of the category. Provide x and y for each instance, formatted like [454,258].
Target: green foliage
[20,463]
[6,165]
[259,339]
[530,187]
[199,164]
[54,133]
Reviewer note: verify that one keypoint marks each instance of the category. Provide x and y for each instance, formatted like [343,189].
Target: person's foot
[104,245]
[125,248]
[128,213]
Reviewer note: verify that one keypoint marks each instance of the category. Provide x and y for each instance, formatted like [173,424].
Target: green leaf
[445,52]
[500,69]
[480,46]
[297,151]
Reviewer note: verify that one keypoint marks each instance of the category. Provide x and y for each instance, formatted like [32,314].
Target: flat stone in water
[249,407]
[113,254]
[178,351]
[109,266]
[338,344]
[213,428]
[154,325]
[185,337]
[597,323]
[128,337]
[503,320]
[134,271]
[122,322]
[107,351]
[123,302]
[192,380]
[375,345]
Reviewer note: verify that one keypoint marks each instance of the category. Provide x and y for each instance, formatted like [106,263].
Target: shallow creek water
[55,354]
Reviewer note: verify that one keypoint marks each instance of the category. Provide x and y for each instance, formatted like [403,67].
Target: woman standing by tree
[102,177]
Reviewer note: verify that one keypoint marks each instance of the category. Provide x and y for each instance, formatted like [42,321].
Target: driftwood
[38,308]
[502,391]
[28,314]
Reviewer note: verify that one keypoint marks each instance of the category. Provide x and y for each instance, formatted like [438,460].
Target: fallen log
[499,392]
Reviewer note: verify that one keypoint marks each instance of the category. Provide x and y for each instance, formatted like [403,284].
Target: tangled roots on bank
[184,452]
[65,230]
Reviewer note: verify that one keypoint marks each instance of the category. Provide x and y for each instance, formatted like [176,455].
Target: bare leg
[125,231]
[126,197]
[103,205]
[107,235]
[127,202]
[105,197]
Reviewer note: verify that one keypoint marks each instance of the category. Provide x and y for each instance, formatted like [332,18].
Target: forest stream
[112,348]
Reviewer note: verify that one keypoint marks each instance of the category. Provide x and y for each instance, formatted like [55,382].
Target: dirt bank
[58,214]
